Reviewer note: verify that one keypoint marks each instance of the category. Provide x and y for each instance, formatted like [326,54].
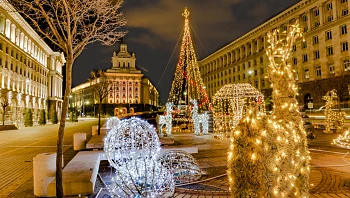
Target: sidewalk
[18,147]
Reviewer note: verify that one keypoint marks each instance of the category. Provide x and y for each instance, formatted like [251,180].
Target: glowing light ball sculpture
[229,104]
[112,122]
[343,140]
[182,165]
[132,148]
[274,147]
[330,115]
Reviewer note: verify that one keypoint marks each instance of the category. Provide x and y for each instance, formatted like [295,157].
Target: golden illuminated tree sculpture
[268,156]
[188,83]
[331,116]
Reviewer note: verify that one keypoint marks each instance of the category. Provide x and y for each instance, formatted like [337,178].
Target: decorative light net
[182,165]
[132,148]
[229,105]
[112,122]
[142,178]
[343,140]
[131,139]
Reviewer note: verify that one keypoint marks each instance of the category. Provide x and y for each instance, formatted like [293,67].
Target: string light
[229,105]
[343,140]
[199,119]
[187,74]
[112,122]
[132,147]
[182,165]
[279,163]
[330,116]
[166,120]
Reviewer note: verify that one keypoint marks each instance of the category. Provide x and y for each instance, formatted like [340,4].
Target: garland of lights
[343,140]
[182,165]
[166,120]
[112,122]
[199,119]
[229,104]
[330,115]
[274,147]
[132,148]
[187,71]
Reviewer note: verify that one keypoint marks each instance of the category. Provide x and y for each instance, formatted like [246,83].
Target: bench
[96,142]
[79,175]
[188,149]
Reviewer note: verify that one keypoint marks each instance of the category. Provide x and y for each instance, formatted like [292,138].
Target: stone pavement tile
[342,195]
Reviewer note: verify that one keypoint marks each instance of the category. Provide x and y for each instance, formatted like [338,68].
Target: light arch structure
[229,106]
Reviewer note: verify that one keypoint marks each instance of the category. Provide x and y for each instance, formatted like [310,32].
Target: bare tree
[101,86]
[4,102]
[70,25]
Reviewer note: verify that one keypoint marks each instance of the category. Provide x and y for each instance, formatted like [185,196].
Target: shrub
[54,118]
[28,118]
[42,117]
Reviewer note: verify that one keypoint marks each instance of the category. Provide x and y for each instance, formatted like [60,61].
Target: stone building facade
[128,87]
[30,71]
[323,53]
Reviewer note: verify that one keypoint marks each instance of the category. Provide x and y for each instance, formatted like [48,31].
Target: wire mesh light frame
[228,106]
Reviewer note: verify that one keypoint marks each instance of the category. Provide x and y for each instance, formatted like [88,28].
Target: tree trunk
[99,118]
[59,187]
[3,116]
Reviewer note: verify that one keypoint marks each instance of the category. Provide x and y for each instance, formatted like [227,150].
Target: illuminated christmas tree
[188,83]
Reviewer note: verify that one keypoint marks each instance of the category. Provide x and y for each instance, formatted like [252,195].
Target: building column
[13,33]
[17,36]
[8,28]
[252,47]
[2,24]
[308,14]
[320,8]
[335,9]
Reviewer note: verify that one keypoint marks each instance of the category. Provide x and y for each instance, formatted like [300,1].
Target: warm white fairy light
[199,119]
[343,140]
[132,148]
[142,178]
[187,72]
[331,99]
[229,103]
[166,120]
[112,122]
[274,147]
[182,165]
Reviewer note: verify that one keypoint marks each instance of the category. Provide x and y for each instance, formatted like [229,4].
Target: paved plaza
[330,168]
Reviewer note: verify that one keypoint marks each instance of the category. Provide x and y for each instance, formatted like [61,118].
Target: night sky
[155,25]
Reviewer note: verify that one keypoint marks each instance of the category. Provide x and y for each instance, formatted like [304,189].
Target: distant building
[324,53]
[30,71]
[129,87]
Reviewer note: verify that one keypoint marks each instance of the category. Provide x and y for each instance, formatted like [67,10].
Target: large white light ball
[142,178]
[131,139]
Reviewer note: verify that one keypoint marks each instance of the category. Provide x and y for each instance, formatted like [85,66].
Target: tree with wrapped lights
[268,156]
[71,25]
[188,83]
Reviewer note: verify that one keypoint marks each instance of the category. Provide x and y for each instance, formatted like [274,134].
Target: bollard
[94,130]
[44,172]
[79,141]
